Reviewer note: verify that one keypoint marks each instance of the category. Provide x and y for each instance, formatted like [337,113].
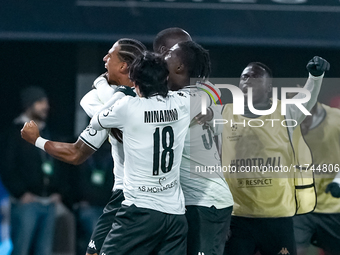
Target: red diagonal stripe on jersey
[213,90]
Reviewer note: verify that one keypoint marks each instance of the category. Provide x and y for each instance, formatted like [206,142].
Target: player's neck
[125,81]
[183,82]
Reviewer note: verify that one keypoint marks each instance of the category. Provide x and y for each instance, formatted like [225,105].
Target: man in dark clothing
[30,178]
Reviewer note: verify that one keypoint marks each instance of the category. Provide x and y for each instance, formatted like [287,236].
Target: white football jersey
[117,152]
[154,132]
[93,138]
[91,103]
[202,181]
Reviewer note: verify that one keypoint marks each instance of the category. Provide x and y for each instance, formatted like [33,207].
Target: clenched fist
[317,66]
[30,132]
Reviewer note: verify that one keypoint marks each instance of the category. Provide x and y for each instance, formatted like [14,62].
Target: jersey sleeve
[94,138]
[104,90]
[217,129]
[313,85]
[198,101]
[113,117]
[91,103]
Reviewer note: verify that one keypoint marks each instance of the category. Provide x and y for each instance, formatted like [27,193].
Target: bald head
[167,38]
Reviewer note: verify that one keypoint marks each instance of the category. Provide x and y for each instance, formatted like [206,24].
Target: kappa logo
[284,251]
[92,245]
[181,94]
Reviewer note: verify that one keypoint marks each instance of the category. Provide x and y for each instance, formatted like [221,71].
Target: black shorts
[320,229]
[267,235]
[207,229]
[144,231]
[104,223]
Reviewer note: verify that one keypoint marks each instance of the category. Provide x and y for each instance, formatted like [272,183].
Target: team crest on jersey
[91,131]
[160,180]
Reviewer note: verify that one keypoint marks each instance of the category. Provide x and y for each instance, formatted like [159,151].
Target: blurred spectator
[31,180]
[5,240]
[94,187]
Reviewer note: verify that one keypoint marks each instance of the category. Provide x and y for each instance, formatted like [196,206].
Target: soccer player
[321,228]
[154,125]
[208,199]
[117,63]
[266,200]
[168,37]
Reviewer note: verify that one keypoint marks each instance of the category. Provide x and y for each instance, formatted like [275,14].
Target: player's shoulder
[179,93]
[226,108]
[178,96]
[128,99]
[331,110]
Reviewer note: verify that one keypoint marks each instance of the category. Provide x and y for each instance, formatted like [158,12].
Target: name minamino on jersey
[160,116]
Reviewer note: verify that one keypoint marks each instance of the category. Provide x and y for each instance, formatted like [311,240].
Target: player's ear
[162,49]
[180,68]
[124,68]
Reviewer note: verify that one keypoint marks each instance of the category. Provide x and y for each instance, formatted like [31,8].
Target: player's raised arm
[109,115]
[316,68]
[72,153]
[98,96]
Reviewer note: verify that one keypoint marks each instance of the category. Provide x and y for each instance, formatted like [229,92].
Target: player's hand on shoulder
[201,119]
[317,66]
[100,78]
[30,132]
[334,189]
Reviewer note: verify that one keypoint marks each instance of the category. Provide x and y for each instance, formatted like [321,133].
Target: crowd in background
[53,207]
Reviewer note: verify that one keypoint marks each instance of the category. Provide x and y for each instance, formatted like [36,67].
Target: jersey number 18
[166,152]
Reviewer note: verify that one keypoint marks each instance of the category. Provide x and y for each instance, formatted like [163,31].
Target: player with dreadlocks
[266,199]
[117,62]
[208,200]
